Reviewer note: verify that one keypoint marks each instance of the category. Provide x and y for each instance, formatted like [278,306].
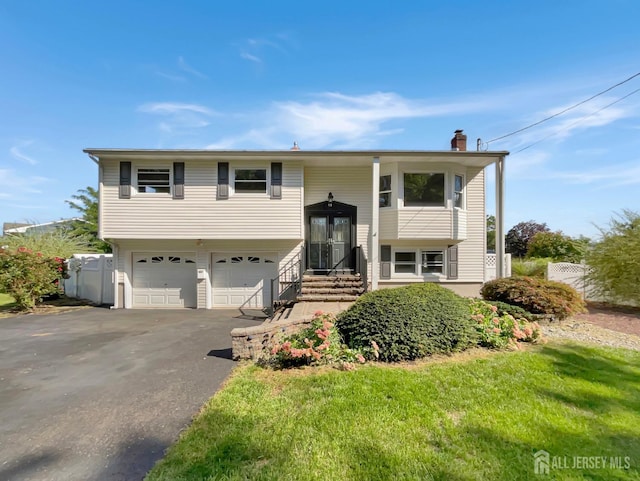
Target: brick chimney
[459,141]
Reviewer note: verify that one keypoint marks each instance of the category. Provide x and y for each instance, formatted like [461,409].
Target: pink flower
[275,349]
[317,313]
[494,308]
[496,320]
[327,325]
[360,358]
[286,346]
[497,330]
[322,333]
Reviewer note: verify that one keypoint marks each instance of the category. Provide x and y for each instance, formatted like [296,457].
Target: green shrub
[515,311]
[409,322]
[320,343]
[535,267]
[500,331]
[28,275]
[537,296]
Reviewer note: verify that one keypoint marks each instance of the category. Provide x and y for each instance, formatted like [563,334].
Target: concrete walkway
[99,394]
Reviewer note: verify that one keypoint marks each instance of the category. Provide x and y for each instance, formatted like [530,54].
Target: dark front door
[329,242]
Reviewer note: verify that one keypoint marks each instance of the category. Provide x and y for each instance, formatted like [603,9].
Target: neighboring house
[206,229]
[9,228]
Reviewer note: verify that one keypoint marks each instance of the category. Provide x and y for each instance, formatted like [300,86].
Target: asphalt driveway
[99,394]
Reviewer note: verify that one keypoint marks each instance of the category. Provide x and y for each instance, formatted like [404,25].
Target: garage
[164,280]
[243,280]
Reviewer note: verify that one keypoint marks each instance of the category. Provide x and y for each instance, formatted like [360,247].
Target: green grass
[6,302]
[476,416]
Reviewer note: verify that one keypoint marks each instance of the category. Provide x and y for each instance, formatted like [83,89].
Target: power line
[564,111]
[578,121]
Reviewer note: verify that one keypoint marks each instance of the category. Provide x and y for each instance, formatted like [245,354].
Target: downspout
[374,247]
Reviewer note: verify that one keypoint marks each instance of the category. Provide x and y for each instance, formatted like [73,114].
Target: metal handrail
[289,277]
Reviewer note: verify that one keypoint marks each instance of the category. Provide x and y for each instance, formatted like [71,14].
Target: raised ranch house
[207,229]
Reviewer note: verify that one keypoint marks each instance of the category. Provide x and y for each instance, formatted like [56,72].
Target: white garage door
[164,280]
[241,280]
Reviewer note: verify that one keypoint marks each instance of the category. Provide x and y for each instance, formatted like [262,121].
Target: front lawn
[6,302]
[478,415]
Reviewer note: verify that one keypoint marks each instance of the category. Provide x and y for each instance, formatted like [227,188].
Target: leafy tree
[86,202]
[491,232]
[615,260]
[557,246]
[519,236]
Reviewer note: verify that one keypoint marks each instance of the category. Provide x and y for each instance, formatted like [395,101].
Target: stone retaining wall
[251,342]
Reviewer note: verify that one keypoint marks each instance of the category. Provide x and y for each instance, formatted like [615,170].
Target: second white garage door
[241,280]
[164,280]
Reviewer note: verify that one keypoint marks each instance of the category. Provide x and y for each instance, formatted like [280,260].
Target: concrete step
[336,284]
[338,278]
[327,298]
[333,290]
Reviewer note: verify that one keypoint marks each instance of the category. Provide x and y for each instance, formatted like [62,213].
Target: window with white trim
[432,262]
[154,181]
[458,191]
[250,180]
[418,262]
[422,189]
[404,262]
[385,191]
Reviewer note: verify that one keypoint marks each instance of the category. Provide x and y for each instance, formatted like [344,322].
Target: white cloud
[178,117]
[185,67]
[18,154]
[345,121]
[252,58]
[19,185]
[622,174]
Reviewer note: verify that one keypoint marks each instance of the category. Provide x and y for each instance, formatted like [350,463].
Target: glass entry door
[329,242]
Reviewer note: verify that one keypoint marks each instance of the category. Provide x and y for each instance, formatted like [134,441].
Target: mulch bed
[625,319]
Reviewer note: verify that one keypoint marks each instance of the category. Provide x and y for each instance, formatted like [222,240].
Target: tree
[519,236]
[86,202]
[557,247]
[491,232]
[614,261]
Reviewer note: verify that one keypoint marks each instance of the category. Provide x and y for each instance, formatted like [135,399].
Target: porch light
[330,199]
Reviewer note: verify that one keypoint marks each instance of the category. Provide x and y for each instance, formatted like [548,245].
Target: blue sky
[348,75]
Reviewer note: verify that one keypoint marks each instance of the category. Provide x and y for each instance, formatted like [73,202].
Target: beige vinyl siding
[388,223]
[199,215]
[350,185]
[424,223]
[471,252]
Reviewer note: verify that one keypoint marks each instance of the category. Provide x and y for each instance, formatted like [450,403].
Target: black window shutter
[276,180]
[385,262]
[223,180]
[178,180]
[452,261]
[125,180]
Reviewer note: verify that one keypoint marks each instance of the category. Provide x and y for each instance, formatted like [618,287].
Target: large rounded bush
[409,322]
[534,295]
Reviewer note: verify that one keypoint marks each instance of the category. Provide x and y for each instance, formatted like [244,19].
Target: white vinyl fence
[90,277]
[490,266]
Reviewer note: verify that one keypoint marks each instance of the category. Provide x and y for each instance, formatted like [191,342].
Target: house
[9,228]
[208,229]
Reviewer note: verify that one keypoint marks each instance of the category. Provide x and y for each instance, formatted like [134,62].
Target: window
[458,187]
[432,262]
[405,263]
[250,180]
[385,191]
[424,190]
[152,181]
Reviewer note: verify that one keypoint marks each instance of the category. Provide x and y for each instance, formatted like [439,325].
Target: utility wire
[578,121]
[564,111]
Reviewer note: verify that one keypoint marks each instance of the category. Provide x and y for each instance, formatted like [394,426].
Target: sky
[329,75]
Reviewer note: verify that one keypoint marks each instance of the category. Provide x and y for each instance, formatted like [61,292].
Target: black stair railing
[288,285]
